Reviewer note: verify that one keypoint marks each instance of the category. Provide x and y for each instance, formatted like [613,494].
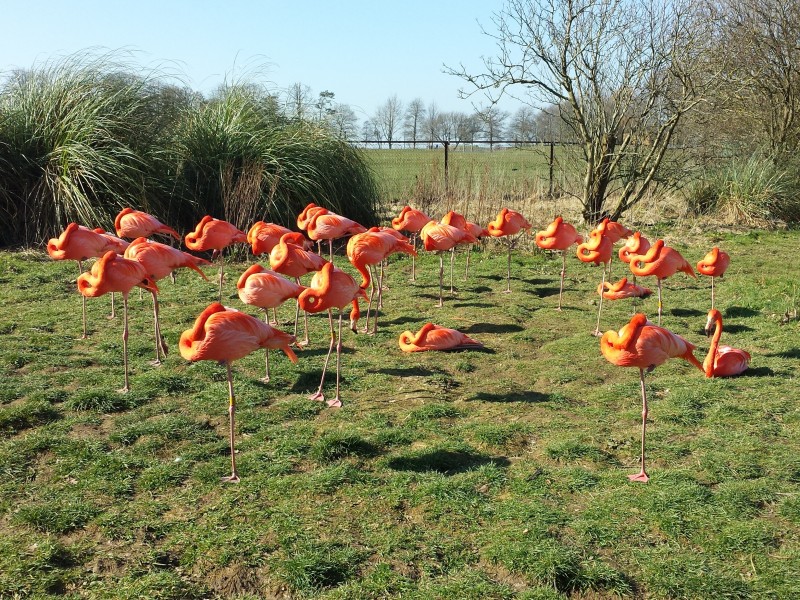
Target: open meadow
[493,473]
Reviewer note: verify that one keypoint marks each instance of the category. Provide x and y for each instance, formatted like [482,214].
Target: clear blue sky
[364,51]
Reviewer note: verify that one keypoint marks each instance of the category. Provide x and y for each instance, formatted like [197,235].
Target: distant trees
[388,118]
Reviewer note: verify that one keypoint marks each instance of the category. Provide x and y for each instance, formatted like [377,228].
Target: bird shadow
[447,462]
[535,281]
[757,372]
[793,353]
[479,289]
[322,350]
[400,321]
[528,396]
[737,328]
[473,305]
[546,292]
[686,312]
[406,372]
[493,328]
[740,311]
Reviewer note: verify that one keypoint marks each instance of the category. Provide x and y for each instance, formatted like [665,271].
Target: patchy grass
[491,474]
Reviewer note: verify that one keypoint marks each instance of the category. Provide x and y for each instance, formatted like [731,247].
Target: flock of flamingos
[225,334]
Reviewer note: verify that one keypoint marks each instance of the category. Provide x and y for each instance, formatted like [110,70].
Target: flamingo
[266,289]
[289,257]
[622,289]
[714,264]
[411,220]
[330,226]
[79,243]
[440,237]
[436,337]
[305,215]
[226,334]
[458,220]
[559,235]
[598,251]
[332,288]
[160,260]
[662,262]
[370,248]
[216,235]
[478,232]
[263,237]
[506,224]
[722,361]
[114,273]
[133,224]
[119,246]
[642,344]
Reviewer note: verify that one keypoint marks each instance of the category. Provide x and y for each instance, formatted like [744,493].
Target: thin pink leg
[602,289]
[563,273]
[125,340]
[336,402]
[642,476]
[234,476]
[318,395]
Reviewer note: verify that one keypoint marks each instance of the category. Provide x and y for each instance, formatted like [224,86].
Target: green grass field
[499,473]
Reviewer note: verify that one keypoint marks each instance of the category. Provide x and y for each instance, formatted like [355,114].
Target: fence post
[446,168]
[551,169]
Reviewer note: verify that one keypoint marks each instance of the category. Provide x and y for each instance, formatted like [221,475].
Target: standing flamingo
[644,345]
[215,235]
[598,251]
[411,220]
[559,235]
[714,264]
[113,273]
[160,260]
[289,257]
[436,337]
[478,232]
[458,220]
[332,288]
[133,224]
[722,361]
[371,248]
[439,237]
[78,243]
[263,237]
[226,334]
[660,261]
[330,226]
[506,224]
[266,289]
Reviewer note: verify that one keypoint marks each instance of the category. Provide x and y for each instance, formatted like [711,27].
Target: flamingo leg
[304,341]
[330,248]
[125,341]
[441,275]
[336,402]
[234,476]
[659,302]
[274,316]
[265,379]
[380,288]
[318,394]
[508,271]
[161,346]
[113,314]
[414,258]
[372,288]
[563,274]
[83,301]
[452,262]
[712,291]
[221,269]
[466,267]
[597,332]
[642,475]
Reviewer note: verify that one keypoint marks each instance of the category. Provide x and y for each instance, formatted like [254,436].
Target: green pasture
[499,473]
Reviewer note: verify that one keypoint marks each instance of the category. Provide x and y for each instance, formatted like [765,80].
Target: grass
[492,474]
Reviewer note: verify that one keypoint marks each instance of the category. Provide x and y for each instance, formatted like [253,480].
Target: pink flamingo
[133,224]
[559,235]
[160,260]
[263,237]
[507,224]
[722,361]
[598,251]
[660,261]
[436,337]
[114,273]
[215,235]
[411,220]
[224,335]
[644,345]
[439,237]
[622,289]
[332,288]
[714,264]
[330,226]
[266,289]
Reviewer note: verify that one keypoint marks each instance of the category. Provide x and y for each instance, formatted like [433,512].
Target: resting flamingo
[436,337]
[114,273]
[478,232]
[722,361]
[266,289]
[597,250]
[134,224]
[79,243]
[412,221]
[289,257]
[507,224]
[714,264]
[160,260]
[263,237]
[332,288]
[215,235]
[644,345]
[622,289]
[439,237]
[330,226]
[660,261]
[371,248]
[559,235]
[458,220]
[224,335]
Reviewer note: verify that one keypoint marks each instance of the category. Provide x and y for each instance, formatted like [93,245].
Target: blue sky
[364,51]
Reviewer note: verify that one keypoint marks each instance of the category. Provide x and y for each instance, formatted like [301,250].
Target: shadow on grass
[686,312]
[793,353]
[736,328]
[473,305]
[408,372]
[758,372]
[536,281]
[321,348]
[524,396]
[493,328]
[447,462]
[546,292]
[401,321]
[740,311]
[479,289]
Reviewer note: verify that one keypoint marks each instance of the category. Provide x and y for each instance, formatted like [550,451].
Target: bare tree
[492,121]
[299,101]
[412,120]
[432,122]
[344,122]
[324,104]
[622,75]
[387,119]
[523,125]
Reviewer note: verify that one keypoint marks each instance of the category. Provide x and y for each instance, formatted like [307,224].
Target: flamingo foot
[597,333]
[558,308]
[506,291]
[124,390]
[335,402]
[156,362]
[264,379]
[440,305]
[111,316]
[302,343]
[233,478]
[318,396]
[641,477]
